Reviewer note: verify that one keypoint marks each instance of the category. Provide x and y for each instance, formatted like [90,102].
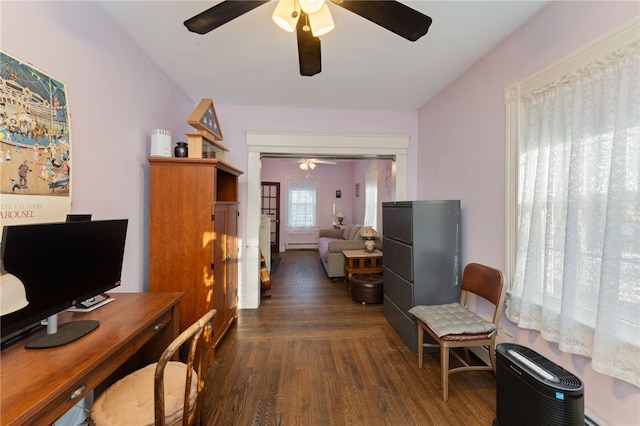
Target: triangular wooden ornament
[204,117]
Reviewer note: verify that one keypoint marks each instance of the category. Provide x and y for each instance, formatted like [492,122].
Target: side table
[361,262]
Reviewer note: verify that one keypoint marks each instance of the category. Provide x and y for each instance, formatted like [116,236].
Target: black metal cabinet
[421,259]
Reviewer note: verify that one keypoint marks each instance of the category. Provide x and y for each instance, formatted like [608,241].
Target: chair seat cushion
[452,318]
[130,401]
[466,337]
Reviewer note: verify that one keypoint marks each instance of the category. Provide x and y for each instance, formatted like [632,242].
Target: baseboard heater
[303,238]
[531,390]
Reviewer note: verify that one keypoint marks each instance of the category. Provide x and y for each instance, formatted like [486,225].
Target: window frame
[314,214]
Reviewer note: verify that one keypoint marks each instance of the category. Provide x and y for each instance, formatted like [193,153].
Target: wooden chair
[454,326]
[163,393]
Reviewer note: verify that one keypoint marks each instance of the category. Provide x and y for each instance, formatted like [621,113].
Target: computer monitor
[60,265]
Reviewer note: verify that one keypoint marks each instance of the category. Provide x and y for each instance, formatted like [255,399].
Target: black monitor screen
[61,264]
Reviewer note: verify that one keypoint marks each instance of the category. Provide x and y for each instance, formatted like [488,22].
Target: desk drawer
[75,392]
[152,330]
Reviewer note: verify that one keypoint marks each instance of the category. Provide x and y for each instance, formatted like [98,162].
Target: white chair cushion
[129,401]
[451,318]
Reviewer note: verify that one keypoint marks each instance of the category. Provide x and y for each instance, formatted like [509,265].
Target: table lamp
[368,233]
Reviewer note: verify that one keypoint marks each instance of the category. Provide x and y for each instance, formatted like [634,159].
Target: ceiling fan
[310,163]
[311,19]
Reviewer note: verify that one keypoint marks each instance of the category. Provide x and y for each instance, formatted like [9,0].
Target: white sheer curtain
[371,195]
[302,200]
[577,274]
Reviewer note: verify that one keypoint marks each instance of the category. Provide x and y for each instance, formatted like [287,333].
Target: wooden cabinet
[193,228]
[421,259]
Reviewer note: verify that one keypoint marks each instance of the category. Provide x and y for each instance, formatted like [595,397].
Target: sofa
[331,242]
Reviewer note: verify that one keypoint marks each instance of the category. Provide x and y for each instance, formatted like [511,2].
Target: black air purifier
[531,390]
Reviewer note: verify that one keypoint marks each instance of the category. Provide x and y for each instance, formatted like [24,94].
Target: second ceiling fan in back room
[312,18]
[310,163]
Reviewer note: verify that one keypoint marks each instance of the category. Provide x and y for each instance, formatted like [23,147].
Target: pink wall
[461,150]
[117,95]
[114,103]
[236,120]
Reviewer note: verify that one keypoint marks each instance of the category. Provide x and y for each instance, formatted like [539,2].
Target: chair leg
[492,357]
[444,366]
[420,347]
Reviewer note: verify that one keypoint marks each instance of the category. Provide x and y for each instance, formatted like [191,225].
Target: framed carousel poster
[35,145]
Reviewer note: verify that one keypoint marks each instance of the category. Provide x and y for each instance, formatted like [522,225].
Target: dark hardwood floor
[310,355]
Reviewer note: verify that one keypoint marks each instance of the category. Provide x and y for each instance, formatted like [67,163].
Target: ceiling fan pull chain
[306,26]
[295,13]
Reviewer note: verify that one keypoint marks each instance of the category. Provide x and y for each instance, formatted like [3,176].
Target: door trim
[364,146]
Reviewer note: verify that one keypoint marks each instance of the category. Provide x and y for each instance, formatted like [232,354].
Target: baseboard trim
[313,246]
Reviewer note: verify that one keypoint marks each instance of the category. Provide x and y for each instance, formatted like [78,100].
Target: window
[301,210]
[371,195]
[575,205]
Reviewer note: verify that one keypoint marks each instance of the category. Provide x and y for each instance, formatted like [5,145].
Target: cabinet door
[231,290]
[219,268]
[225,255]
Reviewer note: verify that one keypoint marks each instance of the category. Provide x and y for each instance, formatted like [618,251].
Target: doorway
[309,145]
[270,206]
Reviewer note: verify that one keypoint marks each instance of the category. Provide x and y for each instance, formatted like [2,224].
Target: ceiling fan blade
[220,14]
[392,15]
[308,49]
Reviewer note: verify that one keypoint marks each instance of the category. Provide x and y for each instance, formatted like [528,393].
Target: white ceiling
[251,61]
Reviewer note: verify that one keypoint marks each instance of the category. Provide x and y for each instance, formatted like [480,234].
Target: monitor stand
[61,335]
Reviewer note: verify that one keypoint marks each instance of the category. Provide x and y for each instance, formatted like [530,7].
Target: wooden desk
[37,384]
[361,262]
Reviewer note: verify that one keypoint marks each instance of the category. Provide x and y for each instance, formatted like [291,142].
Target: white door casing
[337,145]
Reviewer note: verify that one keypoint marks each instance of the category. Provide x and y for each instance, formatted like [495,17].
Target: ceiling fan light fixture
[321,22]
[285,15]
[307,164]
[311,6]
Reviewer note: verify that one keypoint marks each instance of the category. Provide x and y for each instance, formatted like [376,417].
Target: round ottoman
[366,288]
